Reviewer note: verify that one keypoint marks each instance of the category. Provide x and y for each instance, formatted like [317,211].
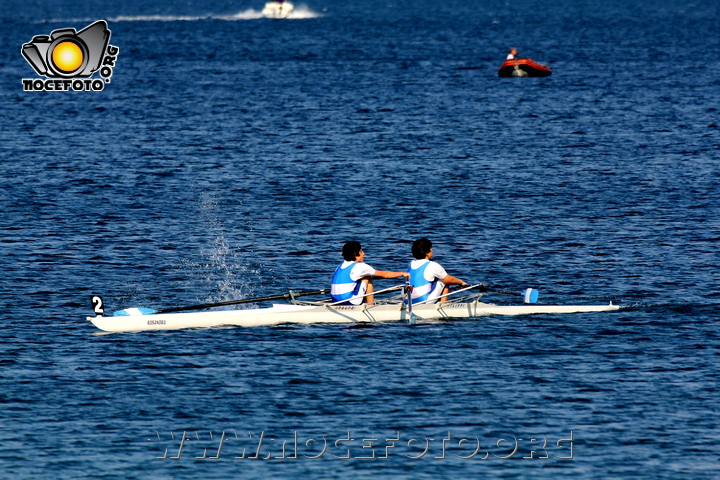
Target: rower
[428,279]
[352,281]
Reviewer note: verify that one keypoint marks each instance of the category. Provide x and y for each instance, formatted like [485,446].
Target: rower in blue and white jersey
[429,279]
[352,281]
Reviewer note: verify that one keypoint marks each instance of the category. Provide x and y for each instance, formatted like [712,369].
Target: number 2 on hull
[97,305]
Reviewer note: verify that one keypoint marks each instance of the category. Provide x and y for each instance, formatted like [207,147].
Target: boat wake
[299,13]
[689,309]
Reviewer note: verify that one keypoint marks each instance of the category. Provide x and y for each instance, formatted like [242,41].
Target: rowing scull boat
[318,312]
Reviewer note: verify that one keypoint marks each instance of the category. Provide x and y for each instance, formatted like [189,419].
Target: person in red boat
[513,54]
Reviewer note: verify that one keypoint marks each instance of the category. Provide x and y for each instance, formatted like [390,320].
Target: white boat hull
[308,314]
[277,9]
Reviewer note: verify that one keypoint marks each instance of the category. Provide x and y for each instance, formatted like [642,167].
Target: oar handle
[407,293]
[245,300]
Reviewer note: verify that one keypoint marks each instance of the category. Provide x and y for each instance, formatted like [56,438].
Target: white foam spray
[299,12]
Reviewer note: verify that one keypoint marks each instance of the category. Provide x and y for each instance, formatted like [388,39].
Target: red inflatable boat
[524,67]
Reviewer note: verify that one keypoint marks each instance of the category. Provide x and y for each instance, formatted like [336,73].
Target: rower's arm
[385,274]
[450,280]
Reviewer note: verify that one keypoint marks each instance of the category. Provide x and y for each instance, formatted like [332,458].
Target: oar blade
[134,312]
[531,295]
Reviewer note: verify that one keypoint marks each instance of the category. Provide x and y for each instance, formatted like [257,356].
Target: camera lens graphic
[68,55]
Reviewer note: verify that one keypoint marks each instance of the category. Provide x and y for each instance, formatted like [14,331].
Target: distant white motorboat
[277,9]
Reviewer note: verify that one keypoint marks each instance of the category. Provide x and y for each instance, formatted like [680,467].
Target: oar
[149,311]
[529,296]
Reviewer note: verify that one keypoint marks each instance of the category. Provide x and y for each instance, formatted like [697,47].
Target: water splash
[225,275]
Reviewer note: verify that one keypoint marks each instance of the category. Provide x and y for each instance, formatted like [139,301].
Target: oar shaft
[341,302]
[494,290]
[245,300]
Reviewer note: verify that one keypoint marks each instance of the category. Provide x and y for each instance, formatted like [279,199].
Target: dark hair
[421,247]
[351,250]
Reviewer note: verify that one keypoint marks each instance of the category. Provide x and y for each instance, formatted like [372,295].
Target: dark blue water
[231,156]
